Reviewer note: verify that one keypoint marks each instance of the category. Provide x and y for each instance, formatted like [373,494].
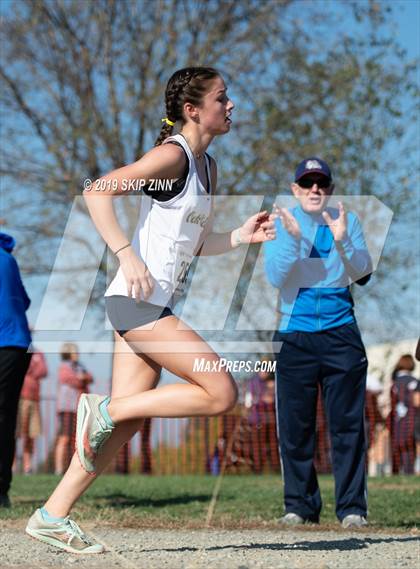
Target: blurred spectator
[73,381]
[124,454]
[417,429]
[373,422]
[256,389]
[401,420]
[29,416]
[269,446]
[15,338]
[260,400]
[417,419]
[268,396]
[218,454]
[146,447]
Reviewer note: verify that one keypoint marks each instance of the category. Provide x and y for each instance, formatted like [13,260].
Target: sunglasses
[307,183]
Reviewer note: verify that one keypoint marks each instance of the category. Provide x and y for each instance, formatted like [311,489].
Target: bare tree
[83,94]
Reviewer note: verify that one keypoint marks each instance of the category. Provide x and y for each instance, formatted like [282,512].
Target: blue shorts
[126,314]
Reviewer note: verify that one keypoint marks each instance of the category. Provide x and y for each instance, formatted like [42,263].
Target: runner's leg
[132,374]
[207,392]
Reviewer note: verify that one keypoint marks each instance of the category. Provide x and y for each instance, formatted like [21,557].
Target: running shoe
[65,535]
[92,430]
[291,519]
[354,521]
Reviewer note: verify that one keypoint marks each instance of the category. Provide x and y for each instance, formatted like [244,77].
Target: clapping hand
[288,221]
[337,226]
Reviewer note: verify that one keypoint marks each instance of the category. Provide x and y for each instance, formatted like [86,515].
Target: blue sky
[408,23]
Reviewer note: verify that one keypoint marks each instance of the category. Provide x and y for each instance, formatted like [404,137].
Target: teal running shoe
[92,430]
[65,535]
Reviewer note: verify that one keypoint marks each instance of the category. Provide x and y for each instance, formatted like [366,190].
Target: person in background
[402,416]
[259,400]
[123,458]
[319,251]
[146,446]
[416,397]
[29,416]
[15,338]
[73,381]
[417,418]
[256,388]
[373,423]
[269,444]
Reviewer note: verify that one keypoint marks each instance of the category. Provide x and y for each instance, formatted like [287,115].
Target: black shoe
[4,501]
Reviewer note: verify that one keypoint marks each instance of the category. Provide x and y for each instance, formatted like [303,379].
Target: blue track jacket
[313,275]
[14,330]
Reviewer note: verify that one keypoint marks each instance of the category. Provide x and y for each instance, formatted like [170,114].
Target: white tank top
[169,234]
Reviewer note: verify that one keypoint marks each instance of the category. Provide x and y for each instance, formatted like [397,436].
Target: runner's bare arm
[258,228]
[163,162]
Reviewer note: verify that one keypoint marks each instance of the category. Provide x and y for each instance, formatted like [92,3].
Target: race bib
[182,266]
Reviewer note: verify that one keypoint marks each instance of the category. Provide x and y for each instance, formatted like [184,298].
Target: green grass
[182,501]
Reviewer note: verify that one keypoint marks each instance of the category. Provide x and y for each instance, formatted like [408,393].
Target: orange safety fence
[198,445]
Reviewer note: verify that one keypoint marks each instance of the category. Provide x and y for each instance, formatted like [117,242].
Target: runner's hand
[138,278]
[258,228]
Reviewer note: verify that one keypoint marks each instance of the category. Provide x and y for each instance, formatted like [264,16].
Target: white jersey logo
[313,165]
[198,218]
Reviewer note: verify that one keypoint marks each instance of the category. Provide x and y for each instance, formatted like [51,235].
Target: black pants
[14,363]
[336,360]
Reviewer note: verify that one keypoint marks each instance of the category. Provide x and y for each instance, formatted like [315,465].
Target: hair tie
[170,123]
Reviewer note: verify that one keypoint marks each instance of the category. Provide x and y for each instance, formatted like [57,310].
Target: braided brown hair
[187,85]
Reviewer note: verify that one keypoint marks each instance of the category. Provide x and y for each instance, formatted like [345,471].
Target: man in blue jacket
[15,338]
[318,252]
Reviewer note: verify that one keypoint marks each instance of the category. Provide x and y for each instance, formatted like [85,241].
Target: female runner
[173,226]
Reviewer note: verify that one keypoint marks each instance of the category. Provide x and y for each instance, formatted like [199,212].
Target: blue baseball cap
[311,166]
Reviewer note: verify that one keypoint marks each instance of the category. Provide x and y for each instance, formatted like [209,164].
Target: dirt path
[220,549]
